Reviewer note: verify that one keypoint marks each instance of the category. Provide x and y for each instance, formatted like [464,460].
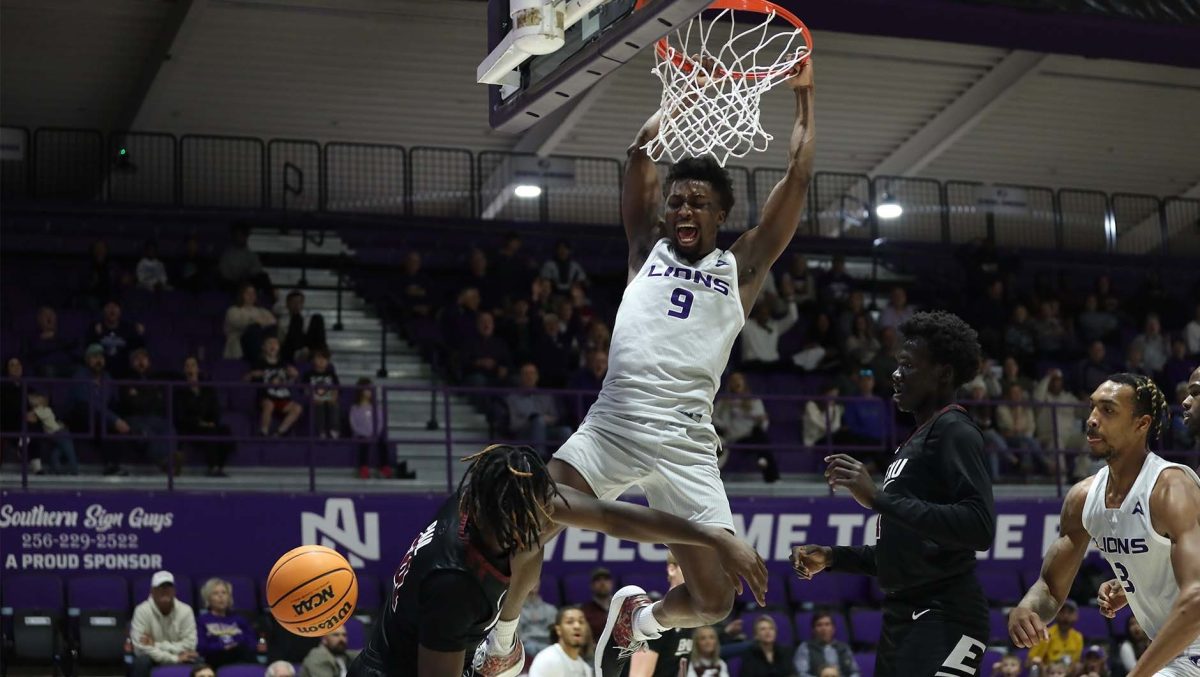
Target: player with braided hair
[1143,514]
[449,588]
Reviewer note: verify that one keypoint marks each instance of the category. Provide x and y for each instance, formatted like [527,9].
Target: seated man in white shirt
[760,336]
[163,630]
[563,658]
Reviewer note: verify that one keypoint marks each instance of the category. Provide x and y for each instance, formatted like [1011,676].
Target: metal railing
[402,438]
[125,167]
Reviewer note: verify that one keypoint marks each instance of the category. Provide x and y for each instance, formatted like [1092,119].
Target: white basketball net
[719,113]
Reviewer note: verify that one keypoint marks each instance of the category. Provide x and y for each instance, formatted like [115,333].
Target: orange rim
[663,46]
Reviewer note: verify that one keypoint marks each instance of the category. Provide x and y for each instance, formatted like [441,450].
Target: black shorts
[922,642]
[369,663]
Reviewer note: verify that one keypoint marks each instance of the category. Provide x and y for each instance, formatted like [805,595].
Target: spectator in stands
[885,360]
[1020,339]
[767,658]
[1095,662]
[416,288]
[823,418]
[276,398]
[533,414]
[1135,361]
[193,271]
[988,317]
[994,444]
[1191,334]
[202,670]
[246,324]
[144,406]
[477,276]
[459,320]
[537,615]
[581,304]
[590,378]
[1095,323]
[596,337]
[198,413]
[1010,373]
[366,424]
[741,418]
[1008,666]
[1063,641]
[1135,644]
[803,283]
[1092,370]
[103,277]
[517,328]
[1058,427]
[511,268]
[238,265]
[706,660]
[163,629]
[562,270]
[823,650]
[861,344]
[1050,333]
[298,340]
[596,608]
[1178,367]
[552,354]
[822,349]
[323,382]
[12,406]
[58,450]
[151,271]
[760,336]
[897,310]
[835,284]
[91,405]
[1016,423]
[280,669]
[570,327]
[988,378]
[118,337]
[330,658]
[856,304]
[223,637]
[50,354]
[864,421]
[541,296]
[1154,346]
[485,356]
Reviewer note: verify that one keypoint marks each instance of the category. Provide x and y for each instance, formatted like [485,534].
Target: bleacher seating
[33,613]
[100,609]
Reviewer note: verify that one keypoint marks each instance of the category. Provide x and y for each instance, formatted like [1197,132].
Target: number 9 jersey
[671,341]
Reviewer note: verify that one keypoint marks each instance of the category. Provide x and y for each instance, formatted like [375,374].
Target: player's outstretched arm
[810,560]
[432,663]
[1027,622]
[1175,512]
[641,196]
[758,248]
[633,522]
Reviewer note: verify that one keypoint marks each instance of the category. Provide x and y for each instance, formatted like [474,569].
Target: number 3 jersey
[1140,556]
[671,341]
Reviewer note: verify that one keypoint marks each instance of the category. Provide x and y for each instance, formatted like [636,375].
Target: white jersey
[554,662]
[675,328]
[1140,556]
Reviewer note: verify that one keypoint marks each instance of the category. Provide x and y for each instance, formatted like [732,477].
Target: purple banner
[243,534]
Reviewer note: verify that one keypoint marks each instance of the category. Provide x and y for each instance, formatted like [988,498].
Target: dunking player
[684,304]
[448,590]
[935,511]
[1143,514]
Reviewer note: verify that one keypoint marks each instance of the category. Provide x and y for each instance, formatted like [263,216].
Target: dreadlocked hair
[949,341]
[506,490]
[1148,399]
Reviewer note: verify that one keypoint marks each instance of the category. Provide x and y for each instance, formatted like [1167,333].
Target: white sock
[506,633]
[645,625]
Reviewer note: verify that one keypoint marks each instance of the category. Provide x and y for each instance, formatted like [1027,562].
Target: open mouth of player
[687,234]
[1093,441]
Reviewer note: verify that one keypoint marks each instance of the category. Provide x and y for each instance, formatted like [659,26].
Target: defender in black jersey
[936,510]
[448,589]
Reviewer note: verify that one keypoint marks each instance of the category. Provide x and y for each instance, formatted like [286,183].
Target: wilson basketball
[312,590]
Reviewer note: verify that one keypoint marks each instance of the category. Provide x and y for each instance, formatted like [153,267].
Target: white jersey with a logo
[1140,557]
[675,328]
[554,662]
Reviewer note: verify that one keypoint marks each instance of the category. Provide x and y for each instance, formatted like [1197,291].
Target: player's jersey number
[682,300]
[1123,576]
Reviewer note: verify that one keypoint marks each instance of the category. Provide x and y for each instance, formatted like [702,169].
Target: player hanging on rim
[1143,514]
[447,591]
[935,511]
[684,304]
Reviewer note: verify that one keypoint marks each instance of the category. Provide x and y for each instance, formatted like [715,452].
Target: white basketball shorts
[1183,666]
[674,465]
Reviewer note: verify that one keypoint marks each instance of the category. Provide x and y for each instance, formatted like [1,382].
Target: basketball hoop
[713,72]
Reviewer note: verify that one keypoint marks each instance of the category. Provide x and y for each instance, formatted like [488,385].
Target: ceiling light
[527,191]
[888,208]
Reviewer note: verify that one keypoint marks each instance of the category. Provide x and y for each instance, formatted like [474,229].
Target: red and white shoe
[489,664]
[617,642]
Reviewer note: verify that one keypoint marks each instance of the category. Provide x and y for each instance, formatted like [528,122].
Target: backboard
[598,37]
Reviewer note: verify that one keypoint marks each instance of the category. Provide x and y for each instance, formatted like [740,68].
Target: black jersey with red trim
[446,596]
[936,510]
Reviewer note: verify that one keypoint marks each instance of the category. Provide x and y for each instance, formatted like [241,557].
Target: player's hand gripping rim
[1026,628]
[741,561]
[1111,598]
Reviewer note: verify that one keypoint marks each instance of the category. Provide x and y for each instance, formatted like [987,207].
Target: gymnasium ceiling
[402,72]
